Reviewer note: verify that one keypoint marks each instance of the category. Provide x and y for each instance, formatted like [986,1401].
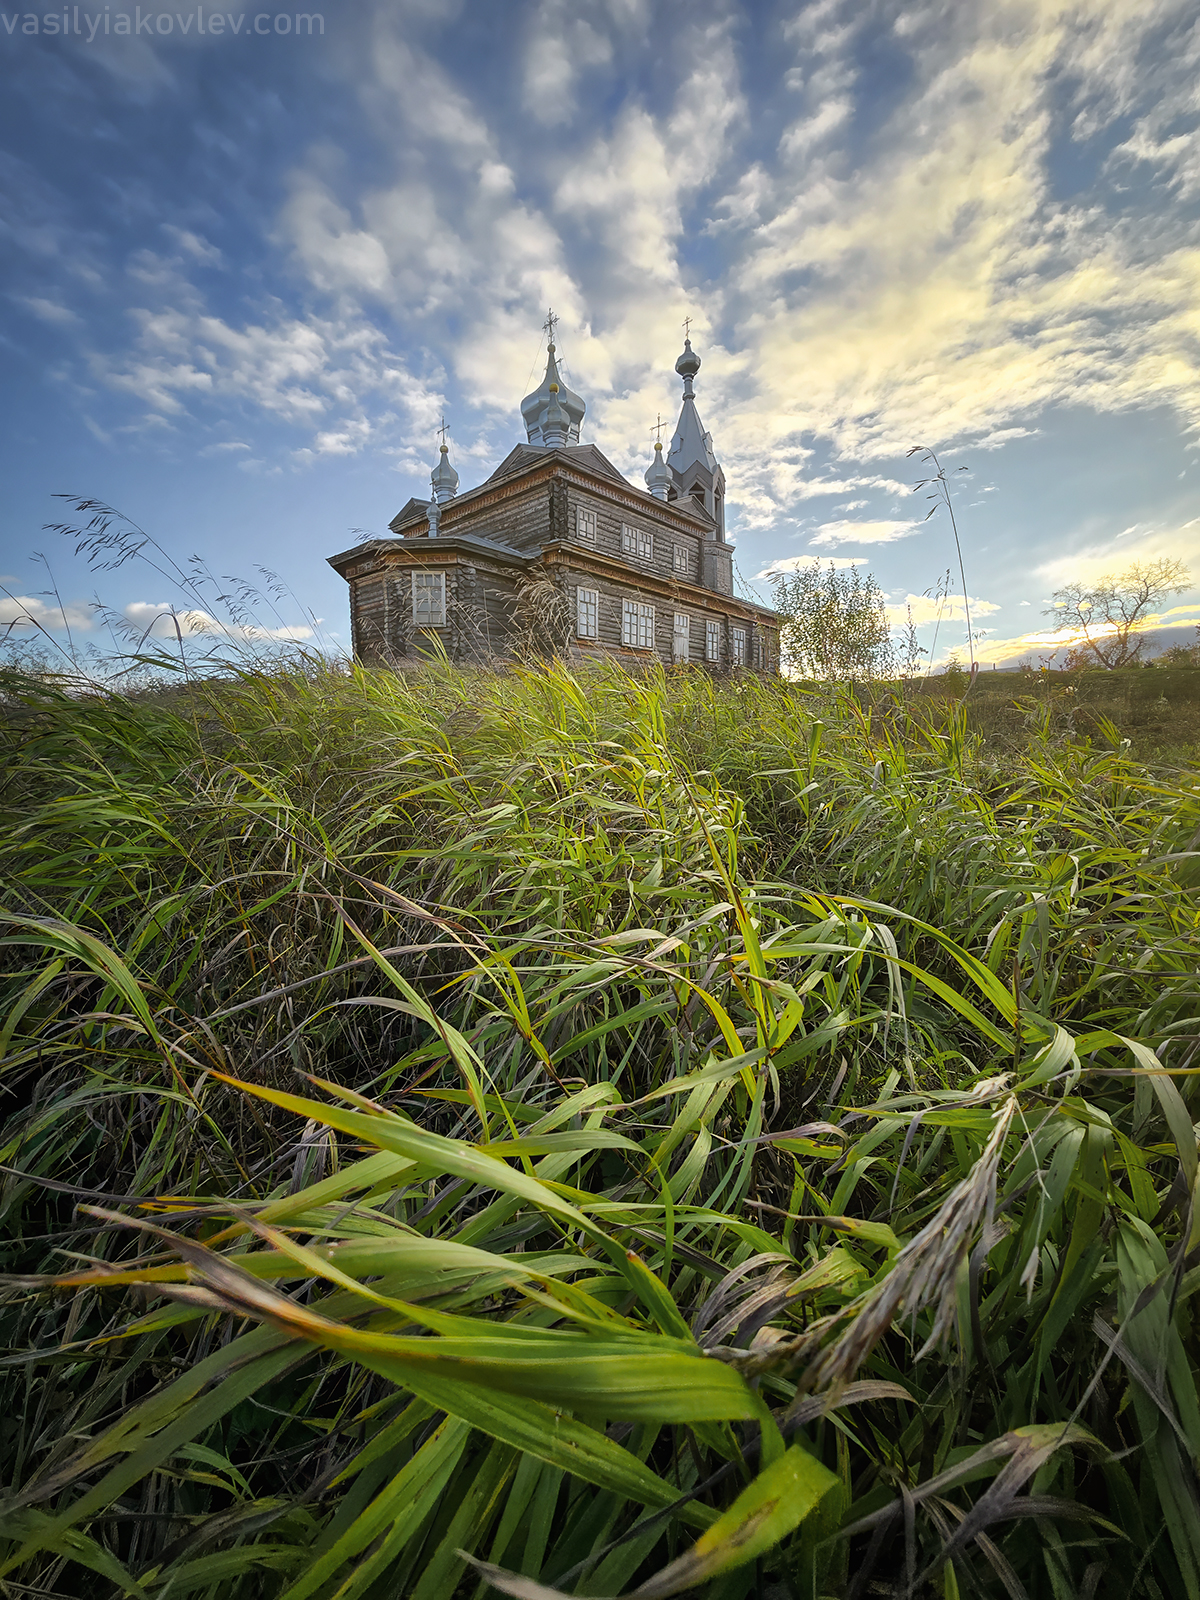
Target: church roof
[586,455]
[409,512]
[691,445]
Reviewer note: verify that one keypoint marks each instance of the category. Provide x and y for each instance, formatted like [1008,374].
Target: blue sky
[246,271]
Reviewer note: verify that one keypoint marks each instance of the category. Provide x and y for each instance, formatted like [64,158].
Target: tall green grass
[592,1135]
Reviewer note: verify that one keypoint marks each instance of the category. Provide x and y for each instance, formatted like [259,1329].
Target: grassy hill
[729,1138]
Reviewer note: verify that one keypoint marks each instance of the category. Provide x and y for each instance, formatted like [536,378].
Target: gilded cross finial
[443,429]
[656,430]
[550,324]
[687,327]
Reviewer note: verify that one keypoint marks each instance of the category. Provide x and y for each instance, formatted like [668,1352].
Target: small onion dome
[555,421]
[688,364]
[658,476]
[533,407]
[444,478]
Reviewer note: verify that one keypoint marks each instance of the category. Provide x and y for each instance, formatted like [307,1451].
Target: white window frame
[682,559]
[585,524]
[681,636]
[429,612]
[587,613]
[737,646]
[712,641]
[637,542]
[637,625]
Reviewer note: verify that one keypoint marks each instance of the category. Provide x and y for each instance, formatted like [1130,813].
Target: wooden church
[557,550]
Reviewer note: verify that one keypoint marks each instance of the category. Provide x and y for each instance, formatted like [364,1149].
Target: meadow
[557,1132]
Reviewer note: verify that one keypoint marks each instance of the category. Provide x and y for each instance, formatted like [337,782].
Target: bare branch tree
[1111,612]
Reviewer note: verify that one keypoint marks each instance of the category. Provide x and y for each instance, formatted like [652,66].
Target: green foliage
[833,624]
[592,1135]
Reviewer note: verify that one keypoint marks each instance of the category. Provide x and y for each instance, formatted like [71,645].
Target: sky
[250,260]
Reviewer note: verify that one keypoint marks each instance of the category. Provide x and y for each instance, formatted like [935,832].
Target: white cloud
[926,609]
[1142,542]
[48,310]
[158,620]
[193,245]
[794,563]
[560,45]
[845,532]
[23,613]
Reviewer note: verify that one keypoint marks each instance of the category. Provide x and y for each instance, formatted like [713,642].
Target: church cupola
[658,474]
[535,406]
[556,424]
[443,477]
[695,472]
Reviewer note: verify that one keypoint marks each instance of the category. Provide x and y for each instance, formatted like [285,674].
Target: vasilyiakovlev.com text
[160,23]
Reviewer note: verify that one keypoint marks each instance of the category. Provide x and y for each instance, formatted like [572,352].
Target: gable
[409,512]
[583,455]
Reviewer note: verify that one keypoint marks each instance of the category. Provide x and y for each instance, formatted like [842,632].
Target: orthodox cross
[443,430]
[549,325]
[687,328]
[657,429]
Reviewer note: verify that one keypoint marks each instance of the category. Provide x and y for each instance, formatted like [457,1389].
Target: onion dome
[556,423]
[444,478]
[688,365]
[658,476]
[534,407]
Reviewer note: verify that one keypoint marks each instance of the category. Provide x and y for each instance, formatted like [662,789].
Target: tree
[833,624]
[1111,613]
[1180,655]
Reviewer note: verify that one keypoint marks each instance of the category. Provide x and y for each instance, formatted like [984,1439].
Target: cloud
[794,563]
[158,619]
[560,45]
[926,609]
[193,245]
[23,613]
[844,532]
[1142,542]
[928,282]
[48,310]
[335,378]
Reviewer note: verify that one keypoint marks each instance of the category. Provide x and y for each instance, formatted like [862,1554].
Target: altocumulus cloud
[997,220]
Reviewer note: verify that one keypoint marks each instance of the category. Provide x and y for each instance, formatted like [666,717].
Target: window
[738,652]
[637,625]
[712,641]
[681,558]
[681,637]
[429,599]
[585,524]
[587,613]
[637,542]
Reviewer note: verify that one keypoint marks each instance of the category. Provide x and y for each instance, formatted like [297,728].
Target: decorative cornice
[602,566]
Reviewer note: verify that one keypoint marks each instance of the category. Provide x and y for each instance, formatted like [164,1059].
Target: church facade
[557,550]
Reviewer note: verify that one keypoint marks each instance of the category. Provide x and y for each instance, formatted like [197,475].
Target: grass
[593,1135]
